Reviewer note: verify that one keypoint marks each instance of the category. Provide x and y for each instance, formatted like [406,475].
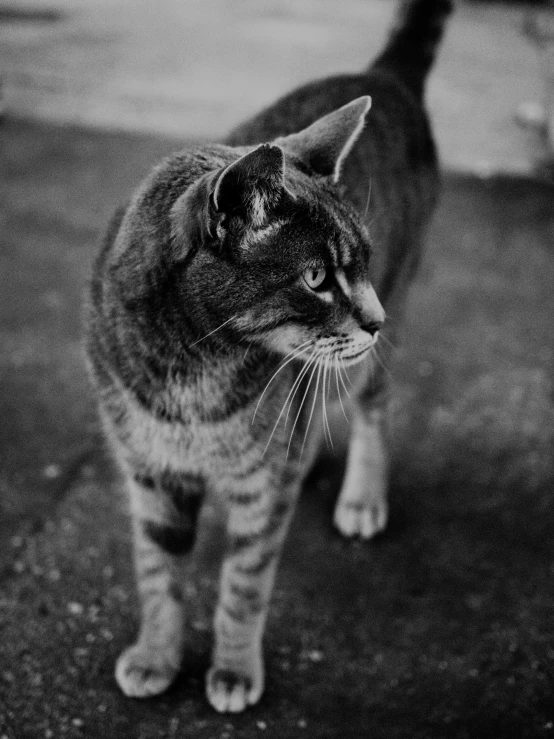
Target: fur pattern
[227,300]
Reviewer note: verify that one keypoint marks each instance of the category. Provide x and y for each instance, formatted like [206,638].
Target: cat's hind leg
[164,512]
[362,509]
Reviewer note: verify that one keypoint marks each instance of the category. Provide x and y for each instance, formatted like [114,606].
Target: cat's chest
[211,436]
[192,444]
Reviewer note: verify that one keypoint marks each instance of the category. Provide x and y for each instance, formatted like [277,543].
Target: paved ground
[441,628]
[198,67]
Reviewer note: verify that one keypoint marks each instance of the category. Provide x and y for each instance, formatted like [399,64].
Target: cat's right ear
[326,143]
[249,189]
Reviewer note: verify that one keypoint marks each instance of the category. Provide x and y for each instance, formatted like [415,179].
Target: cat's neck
[214,384]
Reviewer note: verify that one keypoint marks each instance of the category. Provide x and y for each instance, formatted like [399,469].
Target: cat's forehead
[333,232]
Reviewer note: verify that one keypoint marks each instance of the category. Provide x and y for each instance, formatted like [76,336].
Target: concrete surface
[198,67]
[442,627]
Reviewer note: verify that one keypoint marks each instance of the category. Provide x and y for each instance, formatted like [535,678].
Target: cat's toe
[231,692]
[142,672]
[360,519]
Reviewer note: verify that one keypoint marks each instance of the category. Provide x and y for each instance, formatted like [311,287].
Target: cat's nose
[372,327]
[370,312]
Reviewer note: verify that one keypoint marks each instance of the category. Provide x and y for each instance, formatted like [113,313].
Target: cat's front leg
[258,521]
[361,508]
[164,510]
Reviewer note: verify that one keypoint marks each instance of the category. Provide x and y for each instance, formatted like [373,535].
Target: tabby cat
[227,300]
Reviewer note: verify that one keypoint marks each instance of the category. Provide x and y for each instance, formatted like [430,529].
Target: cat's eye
[315,277]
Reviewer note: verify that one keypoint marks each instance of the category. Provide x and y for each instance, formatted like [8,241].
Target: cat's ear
[326,143]
[248,188]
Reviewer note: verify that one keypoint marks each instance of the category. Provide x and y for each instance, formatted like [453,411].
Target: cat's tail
[415,36]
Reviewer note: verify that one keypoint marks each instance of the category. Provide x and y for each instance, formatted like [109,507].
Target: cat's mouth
[346,353]
[354,351]
[348,360]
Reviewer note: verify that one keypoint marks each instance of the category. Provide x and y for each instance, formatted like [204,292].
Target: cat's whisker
[325,396]
[212,332]
[338,390]
[368,198]
[247,350]
[319,366]
[380,361]
[345,370]
[340,369]
[287,359]
[385,338]
[323,364]
[298,381]
[284,407]
[315,363]
[325,417]
[328,365]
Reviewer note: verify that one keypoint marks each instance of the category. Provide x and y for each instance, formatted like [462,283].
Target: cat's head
[283,260]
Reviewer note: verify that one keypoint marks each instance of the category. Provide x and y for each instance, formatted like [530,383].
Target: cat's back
[396,116]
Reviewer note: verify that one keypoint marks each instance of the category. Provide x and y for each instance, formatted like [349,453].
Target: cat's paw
[143,671]
[360,518]
[231,692]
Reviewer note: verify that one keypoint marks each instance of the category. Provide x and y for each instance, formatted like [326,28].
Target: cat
[225,303]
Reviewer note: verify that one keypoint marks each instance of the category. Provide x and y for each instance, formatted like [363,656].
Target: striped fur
[227,300]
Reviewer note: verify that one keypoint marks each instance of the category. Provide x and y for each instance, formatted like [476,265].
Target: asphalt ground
[441,627]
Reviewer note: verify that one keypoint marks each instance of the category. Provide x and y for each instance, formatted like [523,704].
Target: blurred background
[444,625]
[196,67]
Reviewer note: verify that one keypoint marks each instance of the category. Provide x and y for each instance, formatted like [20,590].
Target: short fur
[225,302]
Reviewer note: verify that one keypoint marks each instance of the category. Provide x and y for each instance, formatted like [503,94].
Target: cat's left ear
[249,188]
[326,143]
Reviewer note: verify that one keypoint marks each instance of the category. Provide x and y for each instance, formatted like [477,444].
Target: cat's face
[307,288]
[286,261]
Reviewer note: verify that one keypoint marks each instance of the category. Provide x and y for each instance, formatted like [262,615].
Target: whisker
[296,353]
[213,332]
[325,417]
[298,381]
[383,211]
[329,365]
[386,338]
[368,198]
[338,390]
[315,363]
[341,369]
[283,410]
[347,375]
[324,364]
[378,358]
[312,408]
[247,350]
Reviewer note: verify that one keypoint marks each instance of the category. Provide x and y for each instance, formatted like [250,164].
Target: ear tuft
[326,143]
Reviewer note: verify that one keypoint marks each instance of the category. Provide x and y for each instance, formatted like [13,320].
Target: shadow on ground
[440,628]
